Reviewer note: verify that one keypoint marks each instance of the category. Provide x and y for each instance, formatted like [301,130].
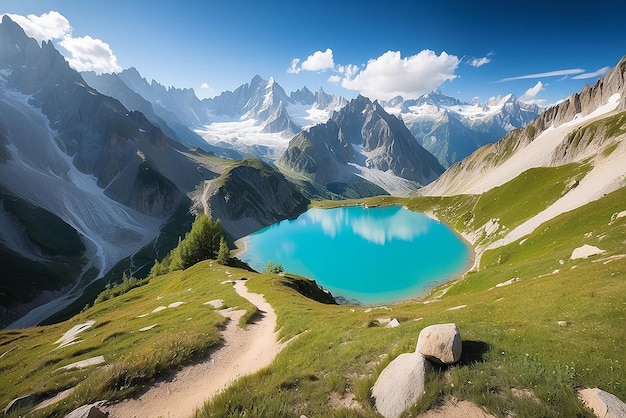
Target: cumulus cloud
[83,53]
[532,92]
[89,54]
[318,61]
[205,86]
[479,62]
[597,73]
[391,75]
[49,26]
[557,73]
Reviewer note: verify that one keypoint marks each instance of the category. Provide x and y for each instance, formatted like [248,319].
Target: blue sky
[542,51]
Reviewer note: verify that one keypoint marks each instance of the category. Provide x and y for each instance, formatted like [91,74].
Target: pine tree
[223,255]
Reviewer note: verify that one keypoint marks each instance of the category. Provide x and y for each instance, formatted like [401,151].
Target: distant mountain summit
[361,141]
[451,129]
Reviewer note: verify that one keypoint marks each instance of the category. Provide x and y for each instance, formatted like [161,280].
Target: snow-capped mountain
[259,118]
[451,129]
[588,126]
[256,119]
[361,142]
[106,177]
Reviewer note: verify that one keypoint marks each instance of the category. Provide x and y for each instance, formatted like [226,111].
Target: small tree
[273,268]
[223,255]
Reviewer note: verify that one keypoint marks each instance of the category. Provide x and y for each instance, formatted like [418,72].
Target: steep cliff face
[360,139]
[568,132]
[250,196]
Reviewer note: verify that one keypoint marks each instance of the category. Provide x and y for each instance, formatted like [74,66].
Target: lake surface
[365,255]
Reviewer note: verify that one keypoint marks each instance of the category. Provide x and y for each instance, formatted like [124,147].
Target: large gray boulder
[603,404]
[440,343]
[400,384]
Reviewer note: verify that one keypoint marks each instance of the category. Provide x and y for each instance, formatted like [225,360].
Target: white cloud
[89,54]
[532,92]
[391,75]
[294,69]
[546,74]
[479,62]
[83,53]
[49,26]
[597,73]
[318,61]
[205,86]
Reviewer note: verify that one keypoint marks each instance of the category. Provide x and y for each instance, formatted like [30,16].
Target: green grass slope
[516,358]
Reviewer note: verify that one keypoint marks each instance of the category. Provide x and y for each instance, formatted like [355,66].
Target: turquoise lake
[365,255]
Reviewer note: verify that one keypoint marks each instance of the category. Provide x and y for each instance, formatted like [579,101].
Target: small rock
[400,384]
[603,404]
[88,411]
[393,323]
[216,303]
[440,343]
[562,323]
[585,251]
[22,402]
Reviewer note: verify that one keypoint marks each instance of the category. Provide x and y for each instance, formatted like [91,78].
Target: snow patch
[84,363]
[71,336]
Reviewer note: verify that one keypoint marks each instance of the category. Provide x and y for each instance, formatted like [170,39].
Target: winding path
[243,352]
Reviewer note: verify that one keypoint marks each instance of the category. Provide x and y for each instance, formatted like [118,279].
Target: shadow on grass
[473,352]
[256,317]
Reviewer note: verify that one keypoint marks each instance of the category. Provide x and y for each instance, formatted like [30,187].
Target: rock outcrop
[400,384]
[88,411]
[603,404]
[440,343]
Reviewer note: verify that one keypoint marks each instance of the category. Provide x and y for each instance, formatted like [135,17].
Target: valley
[101,176]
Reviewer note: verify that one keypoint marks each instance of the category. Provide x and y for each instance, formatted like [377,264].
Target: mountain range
[110,160]
[451,129]
[102,177]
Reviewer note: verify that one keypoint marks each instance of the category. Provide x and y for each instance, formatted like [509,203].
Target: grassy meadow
[516,358]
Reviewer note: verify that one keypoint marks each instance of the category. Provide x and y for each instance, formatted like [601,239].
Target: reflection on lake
[371,255]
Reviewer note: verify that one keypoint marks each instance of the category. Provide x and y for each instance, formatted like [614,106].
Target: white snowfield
[245,134]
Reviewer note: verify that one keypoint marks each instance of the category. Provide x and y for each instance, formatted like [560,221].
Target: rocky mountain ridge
[360,138]
[563,125]
[83,160]
[249,196]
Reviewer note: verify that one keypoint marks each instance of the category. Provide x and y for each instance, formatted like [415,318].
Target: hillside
[510,332]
